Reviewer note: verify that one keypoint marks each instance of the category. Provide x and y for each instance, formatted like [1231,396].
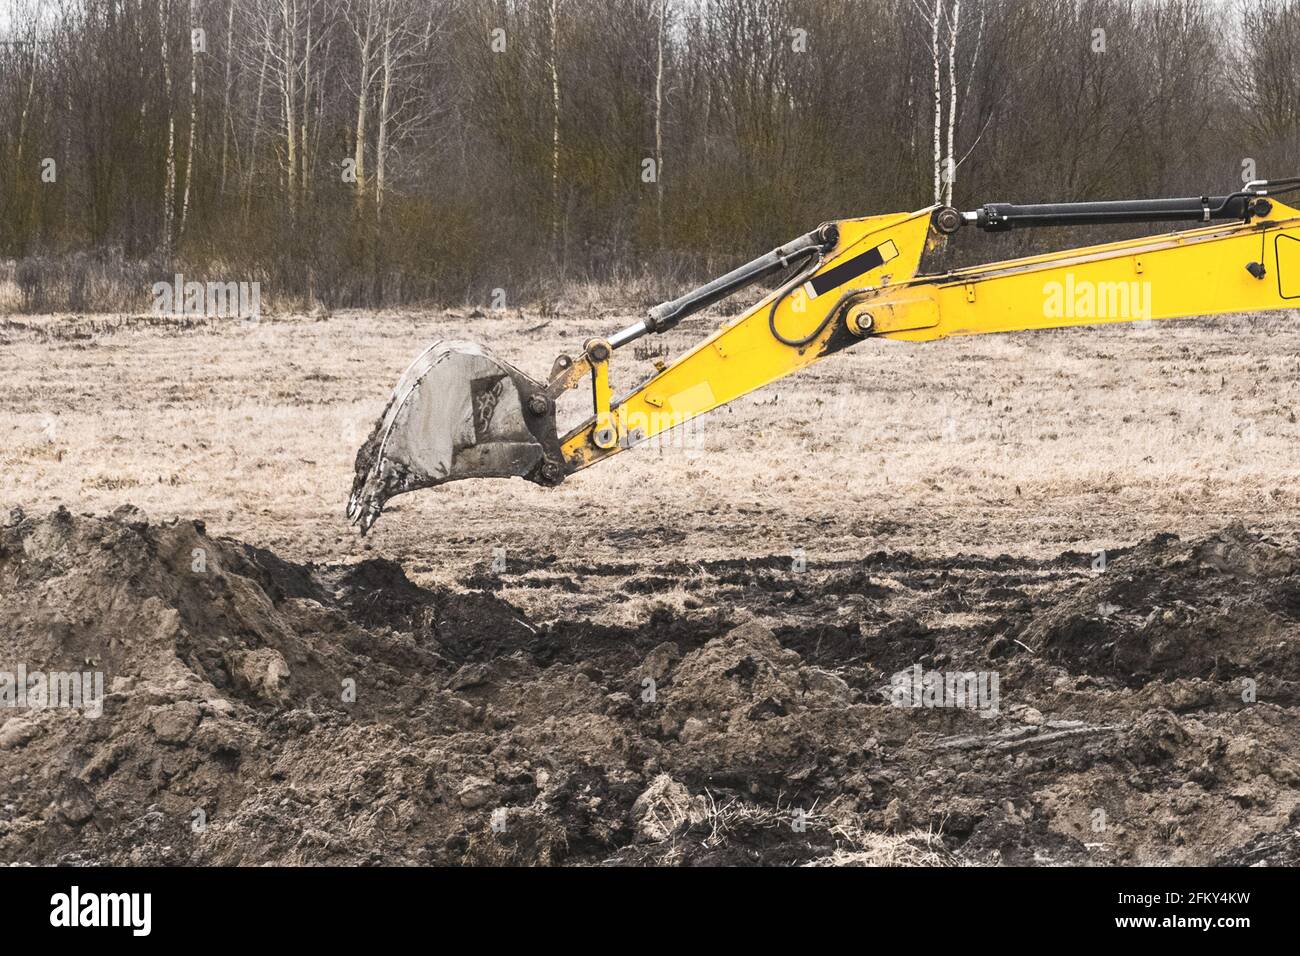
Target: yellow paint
[1287,250]
[1197,272]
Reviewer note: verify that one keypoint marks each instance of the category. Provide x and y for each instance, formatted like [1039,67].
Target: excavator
[460,412]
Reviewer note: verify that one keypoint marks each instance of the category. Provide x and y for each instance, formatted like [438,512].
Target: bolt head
[948,220]
[537,404]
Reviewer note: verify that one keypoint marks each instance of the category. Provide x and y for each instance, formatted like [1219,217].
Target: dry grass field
[1025,444]
[946,501]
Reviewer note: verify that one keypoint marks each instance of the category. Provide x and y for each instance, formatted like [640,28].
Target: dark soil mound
[1218,609]
[258,711]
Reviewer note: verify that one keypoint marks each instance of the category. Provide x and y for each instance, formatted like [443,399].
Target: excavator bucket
[460,412]
[457,412]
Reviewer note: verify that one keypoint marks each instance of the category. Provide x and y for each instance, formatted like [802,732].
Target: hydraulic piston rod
[1000,217]
[664,316]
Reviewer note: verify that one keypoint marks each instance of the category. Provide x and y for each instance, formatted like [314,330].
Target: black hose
[800,279]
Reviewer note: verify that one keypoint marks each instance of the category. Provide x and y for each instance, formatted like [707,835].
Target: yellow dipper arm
[865,282]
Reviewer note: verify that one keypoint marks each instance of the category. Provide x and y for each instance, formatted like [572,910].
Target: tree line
[369,152]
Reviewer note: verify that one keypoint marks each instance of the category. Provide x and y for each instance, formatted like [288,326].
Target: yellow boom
[461,412]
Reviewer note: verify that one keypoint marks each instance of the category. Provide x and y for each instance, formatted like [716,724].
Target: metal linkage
[1244,205]
[664,316]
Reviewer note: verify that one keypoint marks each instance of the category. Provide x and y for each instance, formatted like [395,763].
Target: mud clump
[1218,609]
[250,698]
[257,711]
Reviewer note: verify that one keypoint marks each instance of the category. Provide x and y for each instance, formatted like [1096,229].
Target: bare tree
[194,123]
[227,121]
[169,182]
[936,20]
[554,62]
[405,35]
[362,18]
[262,28]
[944,20]
[288,63]
[950,161]
[507,131]
[1265,77]
[660,39]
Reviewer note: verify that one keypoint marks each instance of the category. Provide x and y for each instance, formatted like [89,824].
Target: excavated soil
[261,711]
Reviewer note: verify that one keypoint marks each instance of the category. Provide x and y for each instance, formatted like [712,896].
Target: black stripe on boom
[849,269]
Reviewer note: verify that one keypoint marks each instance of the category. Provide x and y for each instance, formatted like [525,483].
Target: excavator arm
[461,412]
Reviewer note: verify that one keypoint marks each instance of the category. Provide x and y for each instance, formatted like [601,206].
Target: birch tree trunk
[365,36]
[226,119]
[385,99]
[27,108]
[304,182]
[289,86]
[257,123]
[320,87]
[555,129]
[169,180]
[950,163]
[938,101]
[194,117]
[659,127]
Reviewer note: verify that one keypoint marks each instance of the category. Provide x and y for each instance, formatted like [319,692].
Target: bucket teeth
[457,412]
